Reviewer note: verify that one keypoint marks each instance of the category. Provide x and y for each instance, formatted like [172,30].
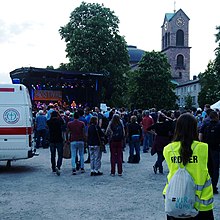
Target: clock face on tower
[165,25]
[180,22]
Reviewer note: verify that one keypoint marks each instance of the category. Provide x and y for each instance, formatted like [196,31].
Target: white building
[190,88]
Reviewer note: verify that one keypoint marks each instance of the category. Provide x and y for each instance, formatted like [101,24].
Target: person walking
[116,133]
[210,134]
[186,151]
[76,135]
[162,131]
[55,124]
[95,134]
[41,129]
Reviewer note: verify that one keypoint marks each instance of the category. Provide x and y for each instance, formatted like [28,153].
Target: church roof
[135,54]
[169,16]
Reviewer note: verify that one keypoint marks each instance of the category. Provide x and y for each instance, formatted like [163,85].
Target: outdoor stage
[59,85]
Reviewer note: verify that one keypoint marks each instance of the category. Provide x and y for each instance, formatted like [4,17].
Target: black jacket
[55,130]
[93,139]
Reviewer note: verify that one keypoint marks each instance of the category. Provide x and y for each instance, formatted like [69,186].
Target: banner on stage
[47,95]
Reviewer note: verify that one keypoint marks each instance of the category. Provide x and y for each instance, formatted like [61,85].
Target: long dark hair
[115,120]
[93,120]
[186,132]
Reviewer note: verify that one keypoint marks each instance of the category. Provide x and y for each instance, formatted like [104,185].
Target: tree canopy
[210,79]
[93,44]
[150,85]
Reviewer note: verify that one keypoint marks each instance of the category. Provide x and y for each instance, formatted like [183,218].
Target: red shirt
[77,130]
[147,121]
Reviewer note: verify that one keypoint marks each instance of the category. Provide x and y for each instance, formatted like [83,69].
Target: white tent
[216,105]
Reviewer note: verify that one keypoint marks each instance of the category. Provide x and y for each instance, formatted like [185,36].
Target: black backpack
[117,133]
[212,134]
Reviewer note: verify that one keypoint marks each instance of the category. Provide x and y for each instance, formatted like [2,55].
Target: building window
[180,75]
[182,101]
[193,100]
[180,62]
[194,87]
[168,39]
[179,38]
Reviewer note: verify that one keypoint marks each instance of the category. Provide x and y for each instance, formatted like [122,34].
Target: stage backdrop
[47,95]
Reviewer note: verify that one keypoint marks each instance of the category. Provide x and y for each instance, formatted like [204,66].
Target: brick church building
[175,44]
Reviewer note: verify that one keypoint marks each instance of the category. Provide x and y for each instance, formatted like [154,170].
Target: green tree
[50,67]
[63,66]
[151,86]
[93,44]
[209,87]
[188,101]
[210,79]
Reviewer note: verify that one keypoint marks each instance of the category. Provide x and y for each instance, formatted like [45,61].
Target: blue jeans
[134,145]
[59,147]
[77,146]
[148,141]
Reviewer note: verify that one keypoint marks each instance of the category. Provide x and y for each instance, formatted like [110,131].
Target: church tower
[175,44]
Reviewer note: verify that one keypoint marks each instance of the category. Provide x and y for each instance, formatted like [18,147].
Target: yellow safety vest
[197,167]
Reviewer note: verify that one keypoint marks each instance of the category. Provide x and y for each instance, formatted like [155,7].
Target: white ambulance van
[16,123]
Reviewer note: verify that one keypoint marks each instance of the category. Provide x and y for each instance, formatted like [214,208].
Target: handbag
[66,150]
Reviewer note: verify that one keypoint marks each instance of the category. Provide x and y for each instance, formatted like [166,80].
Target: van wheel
[8,165]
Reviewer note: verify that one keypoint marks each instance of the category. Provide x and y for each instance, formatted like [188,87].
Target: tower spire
[174,6]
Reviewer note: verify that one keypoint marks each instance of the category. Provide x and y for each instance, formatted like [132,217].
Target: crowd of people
[158,132]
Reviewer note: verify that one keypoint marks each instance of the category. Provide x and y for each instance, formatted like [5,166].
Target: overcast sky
[29,29]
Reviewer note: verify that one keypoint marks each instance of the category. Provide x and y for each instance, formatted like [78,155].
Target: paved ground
[29,190]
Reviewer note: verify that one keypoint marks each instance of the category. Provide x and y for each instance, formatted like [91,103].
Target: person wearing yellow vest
[189,152]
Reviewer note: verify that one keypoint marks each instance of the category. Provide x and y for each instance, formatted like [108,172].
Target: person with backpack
[115,132]
[188,156]
[210,134]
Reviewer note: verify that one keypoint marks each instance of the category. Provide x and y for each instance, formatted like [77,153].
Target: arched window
[179,38]
[163,42]
[180,60]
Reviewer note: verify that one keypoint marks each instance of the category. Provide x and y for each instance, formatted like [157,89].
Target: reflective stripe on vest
[200,187]
[205,202]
